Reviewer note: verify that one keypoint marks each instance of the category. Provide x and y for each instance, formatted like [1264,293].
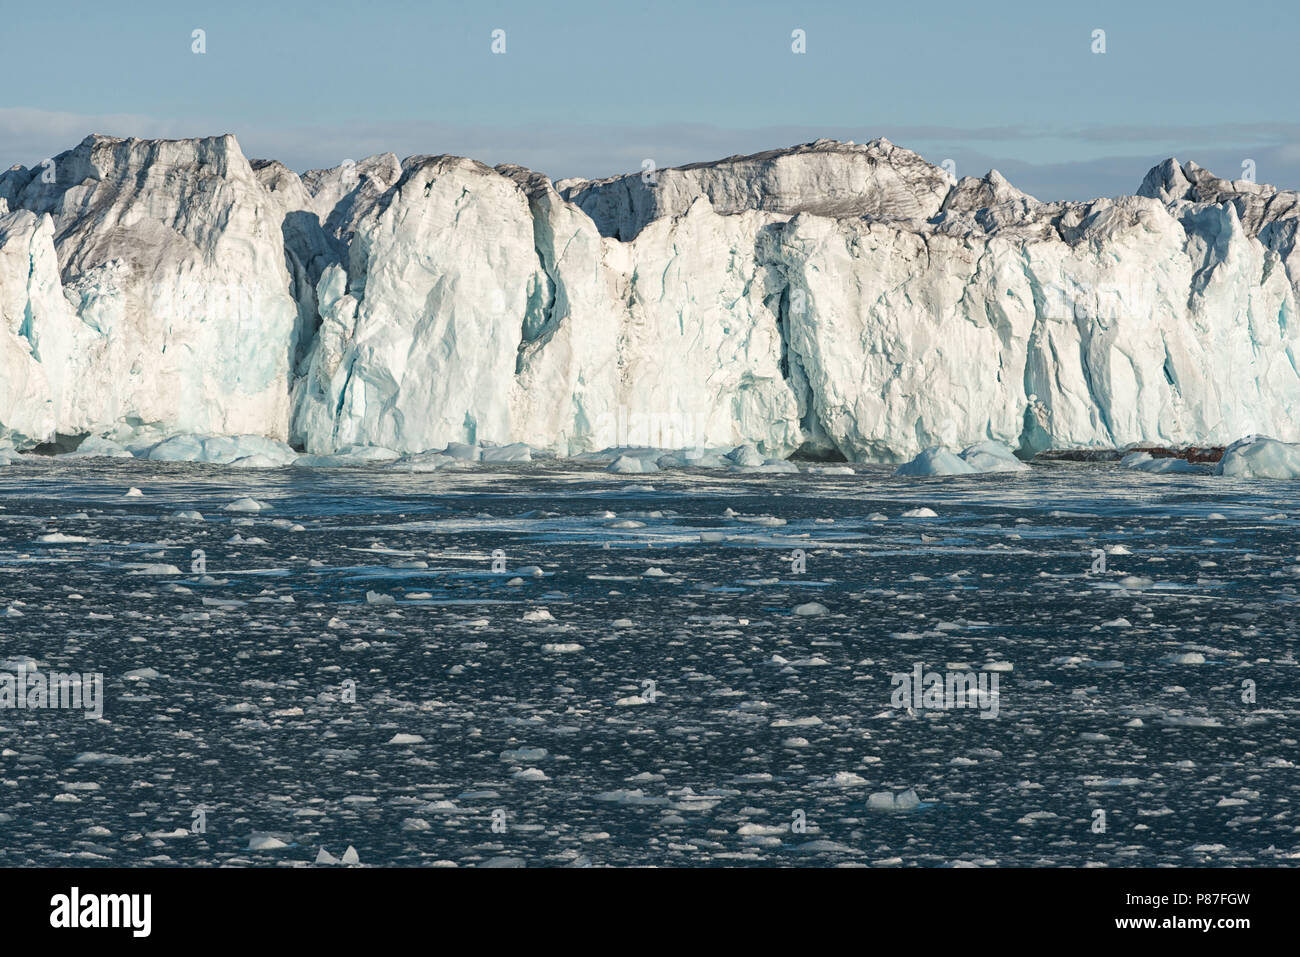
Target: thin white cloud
[28,136]
[561,150]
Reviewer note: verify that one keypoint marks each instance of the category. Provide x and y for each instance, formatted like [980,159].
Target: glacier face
[842,298]
[173,304]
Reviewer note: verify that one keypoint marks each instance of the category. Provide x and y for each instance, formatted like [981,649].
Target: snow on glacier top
[876,180]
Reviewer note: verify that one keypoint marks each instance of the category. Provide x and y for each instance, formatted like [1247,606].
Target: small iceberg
[1257,456]
[983,457]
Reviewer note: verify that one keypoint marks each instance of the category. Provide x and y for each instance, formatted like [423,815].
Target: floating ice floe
[811,609]
[1258,456]
[772,467]
[220,450]
[426,462]
[632,465]
[992,457]
[96,447]
[747,458]
[1145,462]
[257,462]
[265,842]
[889,801]
[694,458]
[561,648]
[637,460]
[629,796]
[517,755]
[99,757]
[823,846]
[349,456]
[921,512]
[515,452]
[245,505]
[158,569]
[462,451]
[402,738]
[979,458]
[350,857]
[842,779]
[1034,816]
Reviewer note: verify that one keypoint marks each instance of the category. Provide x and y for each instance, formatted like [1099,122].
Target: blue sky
[593,88]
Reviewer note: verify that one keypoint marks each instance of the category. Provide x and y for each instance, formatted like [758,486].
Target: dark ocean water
[636,688]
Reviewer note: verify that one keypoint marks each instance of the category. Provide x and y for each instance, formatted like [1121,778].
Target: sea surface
[629,683]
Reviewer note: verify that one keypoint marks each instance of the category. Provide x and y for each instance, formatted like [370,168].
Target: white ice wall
[845,297]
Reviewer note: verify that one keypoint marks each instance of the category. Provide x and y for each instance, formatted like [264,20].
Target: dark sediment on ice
[1194,453]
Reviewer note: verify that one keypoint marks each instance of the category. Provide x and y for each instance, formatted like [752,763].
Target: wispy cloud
[28,135]
[1207,133]
[573,149]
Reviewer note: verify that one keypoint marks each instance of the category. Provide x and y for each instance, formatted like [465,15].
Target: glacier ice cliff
[844,299]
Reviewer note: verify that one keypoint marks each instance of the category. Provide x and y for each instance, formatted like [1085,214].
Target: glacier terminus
[847,301]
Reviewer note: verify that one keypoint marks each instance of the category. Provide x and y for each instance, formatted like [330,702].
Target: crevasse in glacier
[847,299]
